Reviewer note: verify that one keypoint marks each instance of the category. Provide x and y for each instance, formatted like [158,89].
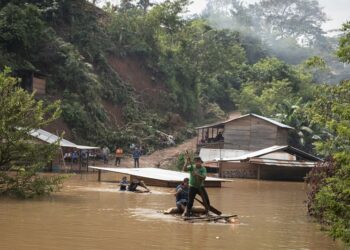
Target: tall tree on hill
[299,19]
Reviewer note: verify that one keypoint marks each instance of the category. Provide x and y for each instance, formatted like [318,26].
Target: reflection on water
[89,215]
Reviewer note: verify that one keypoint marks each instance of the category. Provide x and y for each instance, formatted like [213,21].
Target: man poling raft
[198,173]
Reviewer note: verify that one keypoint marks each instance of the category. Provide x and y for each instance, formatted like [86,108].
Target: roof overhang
[285,148]
[222,123]
[50,138]
[282,163]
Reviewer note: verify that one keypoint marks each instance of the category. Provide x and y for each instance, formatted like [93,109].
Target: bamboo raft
[200,216]
[231,219]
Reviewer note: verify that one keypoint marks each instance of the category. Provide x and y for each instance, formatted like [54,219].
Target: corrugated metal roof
[282,163]
[279,124]
[51,138]
[154,173]
[86,147]
[215,154]
[256,153]
[272,149]
[213,125]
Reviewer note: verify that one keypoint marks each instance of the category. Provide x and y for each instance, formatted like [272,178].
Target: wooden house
[252,146]
[248,132]
[272,163]
[32,81]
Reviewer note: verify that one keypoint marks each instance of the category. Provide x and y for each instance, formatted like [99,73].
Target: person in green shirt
[198,173]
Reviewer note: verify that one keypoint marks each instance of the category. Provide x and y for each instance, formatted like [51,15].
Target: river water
[87,215]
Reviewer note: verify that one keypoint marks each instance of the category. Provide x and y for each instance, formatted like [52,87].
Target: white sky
[337,10]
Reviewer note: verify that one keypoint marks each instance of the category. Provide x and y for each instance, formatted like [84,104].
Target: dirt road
[159,158]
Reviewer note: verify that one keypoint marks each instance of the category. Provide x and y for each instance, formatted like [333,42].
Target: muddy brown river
[87,215]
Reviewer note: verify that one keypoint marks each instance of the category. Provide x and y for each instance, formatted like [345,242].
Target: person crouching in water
[123,184]
[135,183]
[182,195]
[198,174]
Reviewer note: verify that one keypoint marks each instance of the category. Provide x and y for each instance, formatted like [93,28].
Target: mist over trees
[290,30]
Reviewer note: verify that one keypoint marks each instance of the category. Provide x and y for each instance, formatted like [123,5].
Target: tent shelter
[50,138]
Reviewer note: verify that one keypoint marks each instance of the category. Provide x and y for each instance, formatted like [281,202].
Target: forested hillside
[126,72]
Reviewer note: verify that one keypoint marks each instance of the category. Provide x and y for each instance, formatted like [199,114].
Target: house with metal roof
[252,146]
[248,132]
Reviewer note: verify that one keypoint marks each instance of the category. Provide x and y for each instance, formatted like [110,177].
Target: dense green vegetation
[329,200]
[20,158]
[204,71]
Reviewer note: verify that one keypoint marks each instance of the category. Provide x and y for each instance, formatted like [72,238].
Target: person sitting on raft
[135,183]
[182,195]
[123,184]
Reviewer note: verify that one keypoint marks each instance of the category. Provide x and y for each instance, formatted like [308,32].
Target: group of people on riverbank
[119,154]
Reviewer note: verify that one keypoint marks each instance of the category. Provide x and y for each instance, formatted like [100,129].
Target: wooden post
[258,177]
[99,175]
[80,161]
[87,161]
[71,160]
[198,137]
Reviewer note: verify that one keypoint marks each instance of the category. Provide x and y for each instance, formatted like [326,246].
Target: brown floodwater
[87,215]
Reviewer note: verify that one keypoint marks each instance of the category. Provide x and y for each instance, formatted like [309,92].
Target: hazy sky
[337,10]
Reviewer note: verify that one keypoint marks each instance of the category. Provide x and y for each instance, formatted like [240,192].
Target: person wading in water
[198,174]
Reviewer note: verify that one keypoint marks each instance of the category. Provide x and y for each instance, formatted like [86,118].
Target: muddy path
[160,158]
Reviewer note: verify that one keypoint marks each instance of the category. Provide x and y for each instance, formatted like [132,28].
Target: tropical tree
[344,44]
[269,83]
[21,158]
[299,19]
[331,109]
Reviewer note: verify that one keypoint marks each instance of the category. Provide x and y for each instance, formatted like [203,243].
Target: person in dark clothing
[182,195]
[135,183]
[219,137]
[123,184]
[136,154]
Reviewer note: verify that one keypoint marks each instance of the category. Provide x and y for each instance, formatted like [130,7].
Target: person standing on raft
[198,173]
